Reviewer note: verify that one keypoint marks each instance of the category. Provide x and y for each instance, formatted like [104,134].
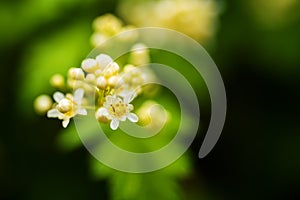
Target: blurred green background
[257,50]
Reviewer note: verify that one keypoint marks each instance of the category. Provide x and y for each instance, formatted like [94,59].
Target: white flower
[67,106]
[117,109]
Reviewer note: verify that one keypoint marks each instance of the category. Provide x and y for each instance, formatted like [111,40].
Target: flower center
[118,109]
[64,106]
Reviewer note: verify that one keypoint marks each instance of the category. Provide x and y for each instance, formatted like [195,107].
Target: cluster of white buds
[114,87]
[107,26]
[101,72]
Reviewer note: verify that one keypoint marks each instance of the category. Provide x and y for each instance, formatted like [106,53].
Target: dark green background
[257,156]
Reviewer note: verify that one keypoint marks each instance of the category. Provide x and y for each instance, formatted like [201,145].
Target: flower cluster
[195,18]
[113,86]
[107,26]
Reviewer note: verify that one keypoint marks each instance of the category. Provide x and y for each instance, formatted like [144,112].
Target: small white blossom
[67,106]
[117,109]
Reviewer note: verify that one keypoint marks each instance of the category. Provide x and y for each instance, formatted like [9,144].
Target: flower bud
[107,24]
[113,81]
[89,65]
[104,61]
[90,78]
[57,81]
[64,106]
[111,70]
[42,104]
[76,74]
[101,82]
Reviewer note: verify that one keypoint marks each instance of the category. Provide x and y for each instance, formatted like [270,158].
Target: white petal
[104,60]
[129,97]
[65,122]
[78,95]
[132,117]
[58,96]
[82,111]
[106,104]
[130,107]
[103,111]
[114,124]
[53,113]
[123,118]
